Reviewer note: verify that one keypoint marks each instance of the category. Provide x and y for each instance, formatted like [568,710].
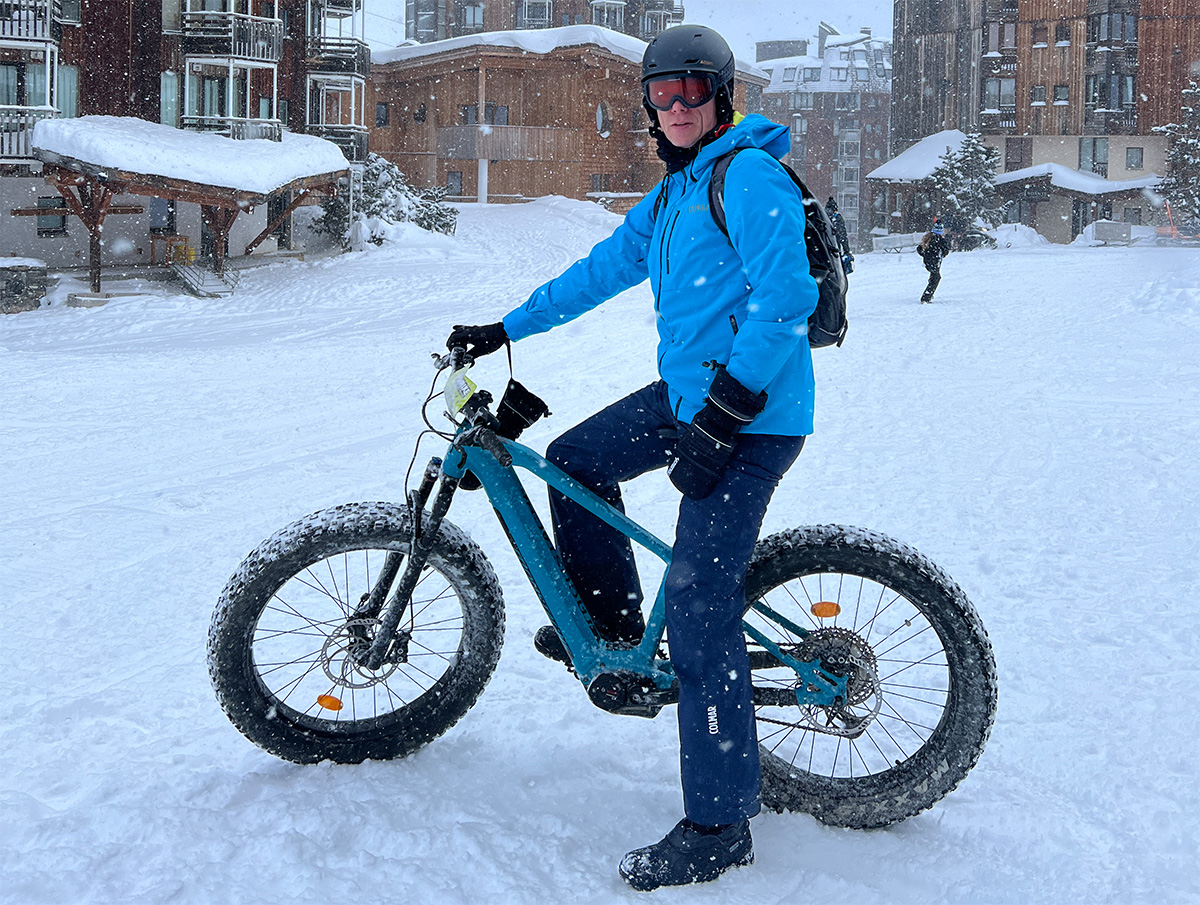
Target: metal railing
[351,139]
[233,34]
[339,9]
[237,127]
[29,20]
[16,130]
[345,55]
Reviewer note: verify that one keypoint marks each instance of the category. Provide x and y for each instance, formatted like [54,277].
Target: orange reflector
[825,609]
[329,702]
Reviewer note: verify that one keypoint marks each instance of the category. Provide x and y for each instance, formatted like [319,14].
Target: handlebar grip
[493,444]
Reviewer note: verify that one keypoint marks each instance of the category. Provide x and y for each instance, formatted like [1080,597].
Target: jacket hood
[753,131]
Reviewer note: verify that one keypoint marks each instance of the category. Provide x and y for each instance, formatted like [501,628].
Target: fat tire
[284,732]
[954,747]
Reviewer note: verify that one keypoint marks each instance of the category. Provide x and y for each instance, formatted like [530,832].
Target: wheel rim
[896,640]
[303,646]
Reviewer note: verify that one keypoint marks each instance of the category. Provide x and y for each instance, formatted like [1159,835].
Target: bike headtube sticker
[459,388]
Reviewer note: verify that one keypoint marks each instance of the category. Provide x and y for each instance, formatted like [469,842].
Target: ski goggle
[691,90]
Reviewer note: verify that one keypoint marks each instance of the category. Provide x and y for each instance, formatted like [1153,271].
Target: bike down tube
[506,493]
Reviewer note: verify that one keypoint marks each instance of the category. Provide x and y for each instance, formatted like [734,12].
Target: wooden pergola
[89,190]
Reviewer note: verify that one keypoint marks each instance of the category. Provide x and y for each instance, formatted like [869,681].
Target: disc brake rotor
[844,653]
[343,651]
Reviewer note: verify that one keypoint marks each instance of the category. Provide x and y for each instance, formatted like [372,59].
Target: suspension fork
[418,554]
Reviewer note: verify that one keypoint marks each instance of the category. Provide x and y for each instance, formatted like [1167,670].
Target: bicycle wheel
[286,639]
[921,677]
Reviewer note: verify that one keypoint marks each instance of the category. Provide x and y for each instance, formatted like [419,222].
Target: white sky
[742,22]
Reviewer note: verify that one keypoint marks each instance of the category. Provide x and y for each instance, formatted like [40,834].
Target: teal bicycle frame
[591,655]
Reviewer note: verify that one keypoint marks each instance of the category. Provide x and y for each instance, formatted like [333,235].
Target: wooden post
[274,224]
[91,207]
[219,220]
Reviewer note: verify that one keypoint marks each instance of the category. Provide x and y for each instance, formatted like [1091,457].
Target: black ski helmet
[691,48]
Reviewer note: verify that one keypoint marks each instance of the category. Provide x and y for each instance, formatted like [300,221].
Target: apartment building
[437,20]
[247,69]
[836,102]
[1077,83]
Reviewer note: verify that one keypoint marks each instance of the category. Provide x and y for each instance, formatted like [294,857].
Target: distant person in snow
[727,418]
[933,248]
[843,238]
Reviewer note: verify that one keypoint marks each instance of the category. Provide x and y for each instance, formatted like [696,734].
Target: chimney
[866,30]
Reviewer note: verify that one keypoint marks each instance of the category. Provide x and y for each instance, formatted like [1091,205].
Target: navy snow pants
[705,585]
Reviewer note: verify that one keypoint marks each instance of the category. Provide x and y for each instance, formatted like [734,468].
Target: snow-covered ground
[1034,431]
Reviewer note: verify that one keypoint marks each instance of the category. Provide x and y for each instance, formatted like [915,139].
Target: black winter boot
[688,854]
[547,642]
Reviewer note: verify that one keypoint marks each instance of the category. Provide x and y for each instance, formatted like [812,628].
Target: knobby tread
[353,526]
[956,744]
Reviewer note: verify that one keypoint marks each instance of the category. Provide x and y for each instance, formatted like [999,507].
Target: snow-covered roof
[919,161]
[1077,180]
[538,40]
[136,146]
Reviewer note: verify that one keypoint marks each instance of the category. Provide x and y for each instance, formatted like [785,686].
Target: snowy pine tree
[380,192]
[1181,187]
[964,185]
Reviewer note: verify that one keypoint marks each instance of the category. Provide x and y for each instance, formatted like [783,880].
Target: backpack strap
[716,187]
[716,190]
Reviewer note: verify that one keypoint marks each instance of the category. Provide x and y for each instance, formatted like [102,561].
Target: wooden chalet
[493,120]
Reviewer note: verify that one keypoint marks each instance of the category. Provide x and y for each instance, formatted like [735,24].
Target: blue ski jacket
[743,301]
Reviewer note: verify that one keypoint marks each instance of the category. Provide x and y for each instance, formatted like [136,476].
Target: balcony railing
[340,9]
[342,55]
[16,131]
[236,35]
[30,20]
[236,127]
[351,139]
[508,143]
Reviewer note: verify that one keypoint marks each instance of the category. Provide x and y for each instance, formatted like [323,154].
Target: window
[812,73]
[421,114]
[1093,156]
[848,101]
[862,74]
[283,112]
[67,100]
[804,100]
[789,74]
[849,144]
[70,11]
[1037,95]
[601,182]
[162,216]
[1062,34]
[1041,34]
[1126,88]
[168,98]
[999,93]
[609,14]
[454,183]
[1062,94]
[1133,158]
[799,125]
[470,115]
[52,224]
[850,201]
[1009,40]
[603,120]
[8,84]
[839,74]
[381,115]
[496,114]
[1132,215]
[1018,153]
[993,37]
[849,175]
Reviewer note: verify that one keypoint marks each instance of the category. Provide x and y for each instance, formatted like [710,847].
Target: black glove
[478,341]
[706,444]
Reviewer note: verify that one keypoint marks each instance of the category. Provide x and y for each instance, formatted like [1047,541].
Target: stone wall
[23,284]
